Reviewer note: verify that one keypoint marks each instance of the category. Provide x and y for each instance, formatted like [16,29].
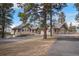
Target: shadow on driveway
[68,38]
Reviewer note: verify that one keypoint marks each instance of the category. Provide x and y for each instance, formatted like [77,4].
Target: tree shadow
[68,38]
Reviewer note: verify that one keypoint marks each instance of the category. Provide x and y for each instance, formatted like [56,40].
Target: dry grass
[26,48]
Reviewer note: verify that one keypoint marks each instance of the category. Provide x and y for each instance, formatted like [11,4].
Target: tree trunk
[45,27]
[3,28]
[3,23]
[3,32]
[51,23]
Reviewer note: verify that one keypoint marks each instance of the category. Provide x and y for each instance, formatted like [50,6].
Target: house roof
[20,26]
[58,25]
[24,25]
[35,27]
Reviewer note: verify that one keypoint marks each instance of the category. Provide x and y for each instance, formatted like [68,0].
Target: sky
[16,19]
[69,11]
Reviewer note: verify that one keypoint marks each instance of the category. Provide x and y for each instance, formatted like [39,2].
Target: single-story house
[60,28]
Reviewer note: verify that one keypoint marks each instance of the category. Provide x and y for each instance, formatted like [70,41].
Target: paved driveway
[65,46]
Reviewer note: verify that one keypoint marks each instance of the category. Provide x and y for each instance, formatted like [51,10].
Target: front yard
[26,47]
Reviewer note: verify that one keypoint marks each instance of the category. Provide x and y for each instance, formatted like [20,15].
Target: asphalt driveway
[65,46]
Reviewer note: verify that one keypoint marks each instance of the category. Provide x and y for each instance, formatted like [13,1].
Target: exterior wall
[22,31]
[62,30]
[72,29]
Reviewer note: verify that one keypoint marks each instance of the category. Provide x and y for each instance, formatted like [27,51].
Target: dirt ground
[26,48]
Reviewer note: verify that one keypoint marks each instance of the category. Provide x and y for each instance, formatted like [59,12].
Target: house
[23,29]
[20,30]
[72,29]
[60,28]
